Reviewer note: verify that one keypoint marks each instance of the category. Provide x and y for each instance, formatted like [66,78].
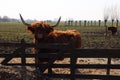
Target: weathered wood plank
[85,76]
[75,53]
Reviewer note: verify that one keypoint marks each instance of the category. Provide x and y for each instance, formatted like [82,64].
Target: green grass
[14,32]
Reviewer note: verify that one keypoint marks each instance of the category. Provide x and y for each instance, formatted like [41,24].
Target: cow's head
[113,29]
[39,29]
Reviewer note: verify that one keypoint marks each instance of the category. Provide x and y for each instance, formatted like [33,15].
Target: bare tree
[106,17]
[111,13]
[114,13]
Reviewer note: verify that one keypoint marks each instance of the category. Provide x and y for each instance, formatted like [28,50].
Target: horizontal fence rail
[81,53]
[75,53]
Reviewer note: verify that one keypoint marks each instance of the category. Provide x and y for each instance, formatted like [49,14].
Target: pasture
[93,37]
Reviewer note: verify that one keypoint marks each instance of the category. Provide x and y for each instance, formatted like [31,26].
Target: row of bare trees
[92,23]
[111,18]
[111,13]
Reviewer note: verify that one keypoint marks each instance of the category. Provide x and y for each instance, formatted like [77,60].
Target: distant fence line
[92,23]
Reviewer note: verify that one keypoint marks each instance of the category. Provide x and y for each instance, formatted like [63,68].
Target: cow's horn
[57,22]
[23,21]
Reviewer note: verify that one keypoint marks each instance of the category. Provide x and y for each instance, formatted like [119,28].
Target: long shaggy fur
[113,29]
[44,33]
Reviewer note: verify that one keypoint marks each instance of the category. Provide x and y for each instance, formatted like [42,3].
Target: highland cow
[113,29]
[45,33]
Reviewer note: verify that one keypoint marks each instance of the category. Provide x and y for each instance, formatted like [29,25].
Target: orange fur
[54,36]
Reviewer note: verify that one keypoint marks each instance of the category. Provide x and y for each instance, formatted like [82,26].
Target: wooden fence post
[88,23]
[75,23]
[73,60]
[72,22]
[91,23]
[112,22]
[105,21]
[99,22]
[23,60]
[94,23]
[68,22]
[117,22]
[72,69]
[85,23]
[79,23]
[108,63]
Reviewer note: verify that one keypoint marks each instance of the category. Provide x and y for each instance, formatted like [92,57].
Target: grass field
[13,32]
[91,35]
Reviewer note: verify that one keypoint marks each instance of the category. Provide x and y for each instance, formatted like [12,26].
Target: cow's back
[65,37]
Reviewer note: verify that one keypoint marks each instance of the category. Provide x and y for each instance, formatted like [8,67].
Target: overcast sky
[52,9]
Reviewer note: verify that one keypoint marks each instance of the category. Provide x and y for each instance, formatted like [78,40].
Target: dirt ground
[18,72]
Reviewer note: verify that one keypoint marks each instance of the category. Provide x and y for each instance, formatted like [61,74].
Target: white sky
[52,9]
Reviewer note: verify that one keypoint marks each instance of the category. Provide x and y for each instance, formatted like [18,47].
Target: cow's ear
[31,29]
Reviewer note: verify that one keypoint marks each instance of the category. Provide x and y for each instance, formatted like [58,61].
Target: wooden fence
[75,53]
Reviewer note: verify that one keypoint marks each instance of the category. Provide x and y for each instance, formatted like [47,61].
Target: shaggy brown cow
[113,29]
[44,33]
